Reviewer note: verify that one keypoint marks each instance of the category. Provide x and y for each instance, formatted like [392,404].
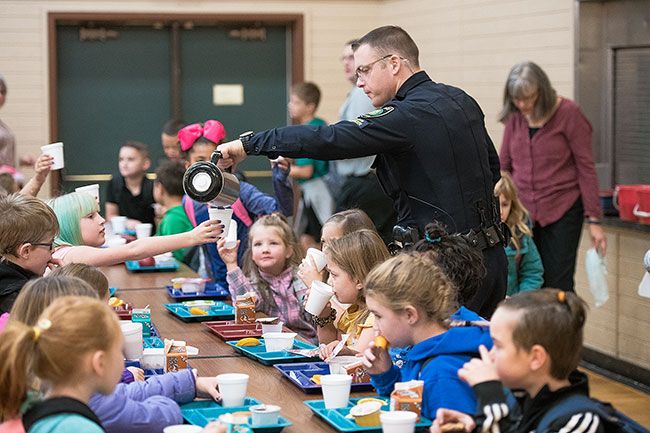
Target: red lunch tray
[228,330]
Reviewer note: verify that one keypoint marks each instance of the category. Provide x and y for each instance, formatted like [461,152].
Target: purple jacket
[145,407]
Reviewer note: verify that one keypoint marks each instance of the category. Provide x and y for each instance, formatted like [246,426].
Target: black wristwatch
[245,139]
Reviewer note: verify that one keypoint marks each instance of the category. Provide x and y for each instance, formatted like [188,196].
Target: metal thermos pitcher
[206,183]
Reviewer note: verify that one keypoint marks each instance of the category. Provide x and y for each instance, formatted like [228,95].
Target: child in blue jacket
[413,302]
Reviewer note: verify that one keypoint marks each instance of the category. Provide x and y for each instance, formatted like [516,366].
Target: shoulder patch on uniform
[359,121]
[378,112]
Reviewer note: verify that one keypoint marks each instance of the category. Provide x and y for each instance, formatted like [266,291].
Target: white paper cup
[153,358]
[268,328]
[398,421]
[319,258]
[55,150]
[114,241]
[338,363]
[90,189]
[231,237]
[278,341]
[143,230]
[336,390]
[119,224]
[264,415]
[222,214]
[183,428]
[132,339]
[319,296]
[232,387]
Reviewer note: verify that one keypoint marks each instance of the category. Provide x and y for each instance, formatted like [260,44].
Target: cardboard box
[175,355]
[408,396]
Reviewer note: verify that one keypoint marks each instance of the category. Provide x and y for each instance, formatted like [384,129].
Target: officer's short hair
[170,175]
[391,40]
[308,92]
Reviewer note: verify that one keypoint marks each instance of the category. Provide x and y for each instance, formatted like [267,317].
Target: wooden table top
[215,356]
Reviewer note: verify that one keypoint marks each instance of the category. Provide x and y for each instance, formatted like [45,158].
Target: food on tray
[249,341]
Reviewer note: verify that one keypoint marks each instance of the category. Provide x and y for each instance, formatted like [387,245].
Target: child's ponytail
[17,349]
[52,350]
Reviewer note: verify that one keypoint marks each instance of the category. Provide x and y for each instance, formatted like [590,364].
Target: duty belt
[483,238]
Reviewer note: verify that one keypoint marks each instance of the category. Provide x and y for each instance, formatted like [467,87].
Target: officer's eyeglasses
[364,70]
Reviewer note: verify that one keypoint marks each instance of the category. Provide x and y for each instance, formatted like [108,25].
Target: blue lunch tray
[111,291]
[212,291]
[259,353]
[168,266]
[219,310]
[300,374]
[337,417]
[202,412]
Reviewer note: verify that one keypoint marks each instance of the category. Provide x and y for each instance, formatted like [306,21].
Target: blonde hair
[39,293]
[351,220]
[357,253]
[279,223]
[24,219]
[53,350]
[90,274]
[517,220]
[413,279]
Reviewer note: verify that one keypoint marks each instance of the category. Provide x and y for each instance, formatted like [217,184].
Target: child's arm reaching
[42,168]
[208,231]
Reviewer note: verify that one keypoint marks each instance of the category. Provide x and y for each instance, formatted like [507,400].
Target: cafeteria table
[215,356]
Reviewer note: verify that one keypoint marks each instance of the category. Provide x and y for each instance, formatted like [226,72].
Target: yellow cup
[367,414]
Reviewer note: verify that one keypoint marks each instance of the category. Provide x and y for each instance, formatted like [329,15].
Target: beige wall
[23,49]
[473,44]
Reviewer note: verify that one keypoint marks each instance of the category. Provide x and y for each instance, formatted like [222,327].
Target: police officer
[434,156]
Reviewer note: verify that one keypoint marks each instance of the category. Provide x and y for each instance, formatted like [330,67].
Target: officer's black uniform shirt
[434,156]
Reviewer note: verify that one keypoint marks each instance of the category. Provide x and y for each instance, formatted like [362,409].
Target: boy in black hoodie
[537,343]
[27,230]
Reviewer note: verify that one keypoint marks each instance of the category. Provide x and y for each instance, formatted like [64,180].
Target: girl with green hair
[82,233]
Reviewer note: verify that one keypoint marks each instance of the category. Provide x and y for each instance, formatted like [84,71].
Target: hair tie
[213,130]
[41,326]
[431,240]
[561,296]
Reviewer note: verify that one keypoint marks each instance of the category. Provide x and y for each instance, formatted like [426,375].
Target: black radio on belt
[403,238]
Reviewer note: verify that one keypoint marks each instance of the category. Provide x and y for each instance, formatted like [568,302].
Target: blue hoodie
[446,353]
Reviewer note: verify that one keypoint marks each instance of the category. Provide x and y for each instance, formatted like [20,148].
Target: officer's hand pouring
[232,153]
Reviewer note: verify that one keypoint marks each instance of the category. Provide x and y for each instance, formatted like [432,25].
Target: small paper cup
[55,150]
[133,344]
[90,189]
[143,230]
[268,328]
[398,421]
[222,214]
[319,296]
[319,258]
[336,390]
[231,237]
[232,387]
[119,224]
[264,415]
[278,341]
[338,363]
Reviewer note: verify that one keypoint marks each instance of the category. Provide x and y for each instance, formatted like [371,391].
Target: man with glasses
[435,159]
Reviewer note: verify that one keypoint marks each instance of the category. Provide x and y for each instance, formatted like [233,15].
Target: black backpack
[613,420]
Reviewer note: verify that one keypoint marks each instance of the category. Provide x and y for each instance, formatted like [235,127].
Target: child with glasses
[27,229]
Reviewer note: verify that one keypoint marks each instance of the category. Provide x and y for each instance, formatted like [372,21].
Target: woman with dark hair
[547,149]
